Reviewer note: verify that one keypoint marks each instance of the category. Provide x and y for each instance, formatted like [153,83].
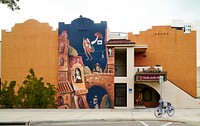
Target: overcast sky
[121,15]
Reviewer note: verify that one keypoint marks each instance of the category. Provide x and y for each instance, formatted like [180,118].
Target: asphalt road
[129,123]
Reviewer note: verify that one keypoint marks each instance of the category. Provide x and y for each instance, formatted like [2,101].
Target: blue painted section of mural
[95,95]
[88,38]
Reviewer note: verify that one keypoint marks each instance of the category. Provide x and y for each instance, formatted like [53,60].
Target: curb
[102,121]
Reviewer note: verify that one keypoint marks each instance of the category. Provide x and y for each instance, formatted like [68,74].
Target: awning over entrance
[140,48]
[120,43]
[150,75]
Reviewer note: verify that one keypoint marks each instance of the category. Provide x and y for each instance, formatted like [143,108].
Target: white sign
[99,42]
[160,79]
[187,29]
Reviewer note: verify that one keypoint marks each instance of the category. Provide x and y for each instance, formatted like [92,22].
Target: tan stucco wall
[173,94]
[198,92]
[0,59]
[198,81]
[30,45]
[129,80]
[178,97]
[174,50]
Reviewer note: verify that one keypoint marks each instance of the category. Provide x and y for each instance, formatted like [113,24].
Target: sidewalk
[54,116]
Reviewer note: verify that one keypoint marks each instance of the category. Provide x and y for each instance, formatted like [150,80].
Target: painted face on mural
[78,78]
[97,68]
[61,61]
[110,51]
[61,48]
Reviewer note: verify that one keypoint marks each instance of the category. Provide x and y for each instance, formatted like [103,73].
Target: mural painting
[83,81]
[98,97]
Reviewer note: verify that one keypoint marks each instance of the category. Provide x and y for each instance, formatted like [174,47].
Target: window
[120,63]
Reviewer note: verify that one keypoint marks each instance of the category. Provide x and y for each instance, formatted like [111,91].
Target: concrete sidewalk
[55,116]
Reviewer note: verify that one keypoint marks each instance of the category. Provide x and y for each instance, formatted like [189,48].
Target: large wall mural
[88,39]
[83,80]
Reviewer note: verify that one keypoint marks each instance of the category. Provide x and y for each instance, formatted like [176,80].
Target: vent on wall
[161,33]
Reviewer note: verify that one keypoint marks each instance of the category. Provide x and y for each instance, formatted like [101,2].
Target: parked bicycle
[164,107]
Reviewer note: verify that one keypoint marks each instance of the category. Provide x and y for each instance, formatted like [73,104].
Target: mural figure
[87,48]
[95,102]
[60,101]
[102,55]
[138,96]
[80,103]
[63,36]
[77,76]
[97,68]
[62,48]
[78,82]
[61,61]
[109,52]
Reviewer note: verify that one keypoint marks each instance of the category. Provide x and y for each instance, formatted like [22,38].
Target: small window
[62,48]
[61,61]
[60,101]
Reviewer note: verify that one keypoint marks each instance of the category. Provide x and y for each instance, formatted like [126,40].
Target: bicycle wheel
[170,111]
[158,112]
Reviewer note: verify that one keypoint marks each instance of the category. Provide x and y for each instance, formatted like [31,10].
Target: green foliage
[7,95]
[72,51]
[33,93]
[105,103]
[87,70]
[12,4]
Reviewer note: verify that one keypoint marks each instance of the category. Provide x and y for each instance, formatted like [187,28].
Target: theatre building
[93,69]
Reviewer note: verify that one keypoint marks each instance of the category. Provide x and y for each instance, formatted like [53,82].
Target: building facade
[187,27]
[82,65]
[174,50]
[92,68]
[29,45]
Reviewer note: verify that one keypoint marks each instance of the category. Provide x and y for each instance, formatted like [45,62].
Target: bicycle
[164,107]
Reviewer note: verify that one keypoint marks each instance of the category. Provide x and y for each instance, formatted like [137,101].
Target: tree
[12,4]
[7,95]
[34,94]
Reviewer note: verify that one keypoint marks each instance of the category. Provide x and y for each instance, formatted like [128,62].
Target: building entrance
[121,95]
[145,95]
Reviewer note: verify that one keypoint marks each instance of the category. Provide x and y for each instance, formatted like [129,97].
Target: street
[92,117]
[127,123]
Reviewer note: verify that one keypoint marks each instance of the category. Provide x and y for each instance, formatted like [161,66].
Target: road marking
[144,124]
[167,124]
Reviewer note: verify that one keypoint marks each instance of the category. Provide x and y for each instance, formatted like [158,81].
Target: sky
[121,15]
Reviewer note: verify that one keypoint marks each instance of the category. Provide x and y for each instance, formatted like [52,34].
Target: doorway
[145,95]
[120,62]
[120,95]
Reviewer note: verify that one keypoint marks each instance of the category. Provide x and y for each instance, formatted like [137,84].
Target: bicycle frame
[164,107]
